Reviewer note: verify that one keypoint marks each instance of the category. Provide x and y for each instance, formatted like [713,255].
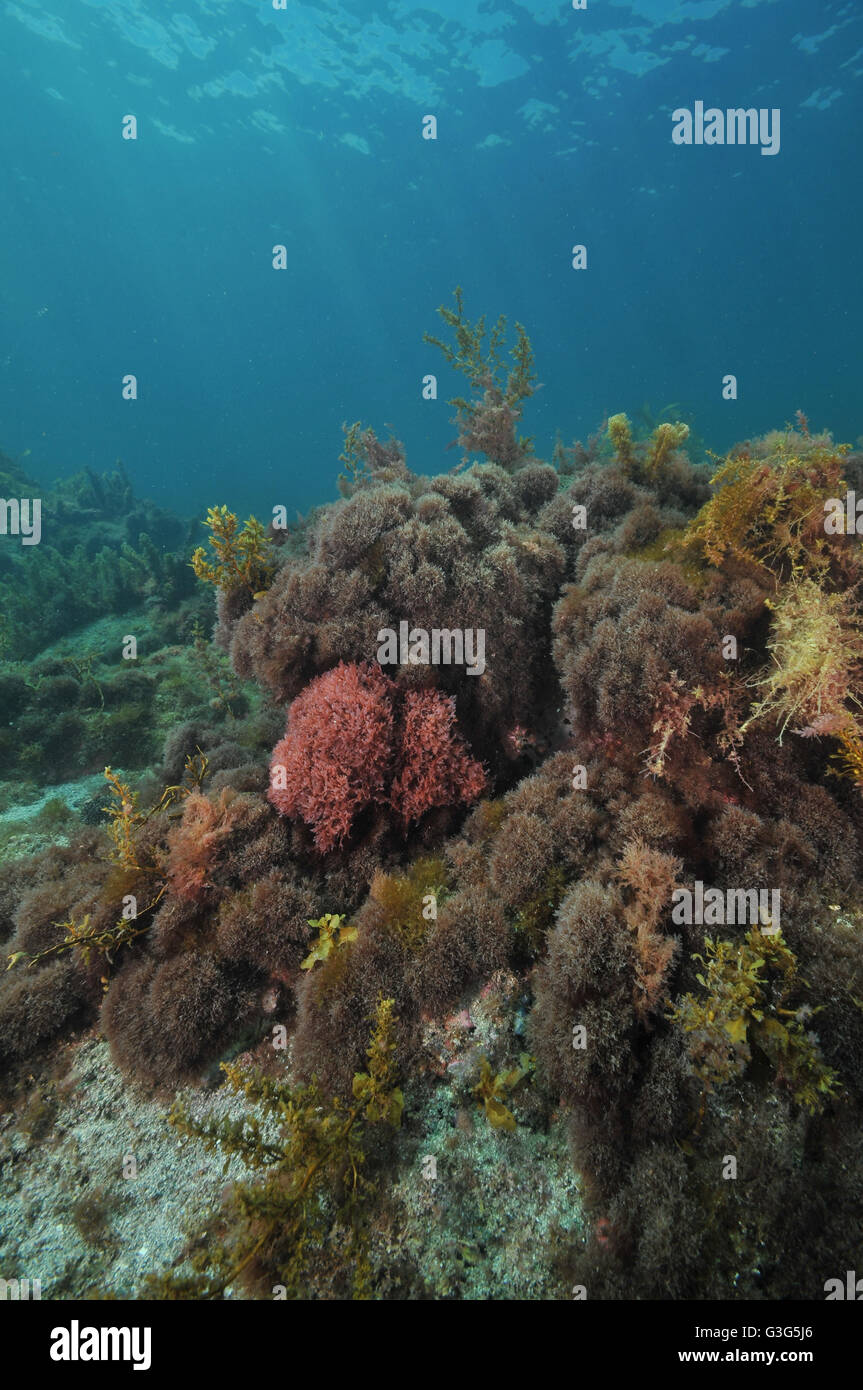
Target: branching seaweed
[817,649]
[313,1190]
[748,985]
[242,556]
[488,424]
[769,511]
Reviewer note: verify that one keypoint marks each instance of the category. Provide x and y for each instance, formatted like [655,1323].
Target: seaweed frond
[85,938]
[620,435]
[313,1192]
[493,1088]
[488,422]
[331,933]
[646,460]
[767,508]
[747,987]
[478,352]
[242,556]
[817,650]
[124,818]
[129,874]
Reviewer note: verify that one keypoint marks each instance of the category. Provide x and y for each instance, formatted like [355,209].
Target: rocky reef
[571,908]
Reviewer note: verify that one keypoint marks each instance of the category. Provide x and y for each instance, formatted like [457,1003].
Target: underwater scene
[431,651]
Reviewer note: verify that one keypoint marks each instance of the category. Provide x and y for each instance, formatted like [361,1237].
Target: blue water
[303,127]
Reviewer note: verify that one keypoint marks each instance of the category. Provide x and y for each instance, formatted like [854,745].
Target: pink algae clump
[337,753]
[354,740]
[435,768]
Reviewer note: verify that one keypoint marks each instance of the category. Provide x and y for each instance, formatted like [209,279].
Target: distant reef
[101,551]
